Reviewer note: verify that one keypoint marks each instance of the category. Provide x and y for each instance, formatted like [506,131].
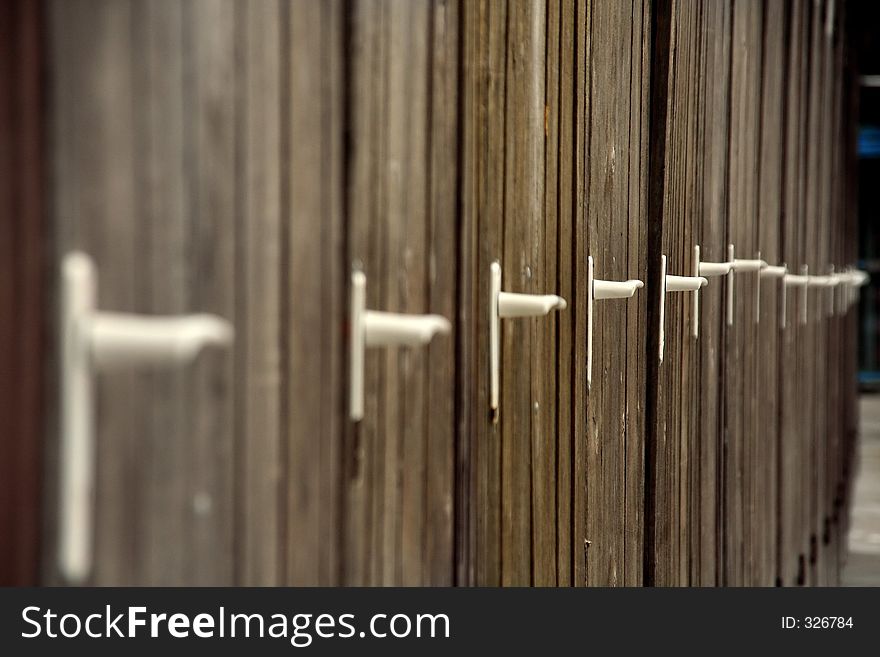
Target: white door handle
[707,270]
[509,304]
[373,328]
[826,282]
[742,265]
[773,272]
[799,281]
[598,290]
[850,281]
[93,341]
[671,283]
[846,283]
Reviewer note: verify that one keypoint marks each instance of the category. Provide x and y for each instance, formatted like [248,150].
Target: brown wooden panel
[398,482]
[672,172]
[92,209]
[260,468]
[314,285]
[615,190]
[770,194]
[740,380]
[712,232]
[791,550]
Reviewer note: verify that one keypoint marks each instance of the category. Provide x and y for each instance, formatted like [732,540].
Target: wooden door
[554,170]
[241,158]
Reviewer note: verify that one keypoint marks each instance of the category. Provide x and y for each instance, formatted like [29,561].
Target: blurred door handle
[799,281]
[93,341]
[774,272]
[373,328]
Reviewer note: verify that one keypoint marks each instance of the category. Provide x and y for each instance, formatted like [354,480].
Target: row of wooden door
[242,158]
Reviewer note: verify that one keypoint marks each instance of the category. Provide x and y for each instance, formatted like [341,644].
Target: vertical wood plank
[210,163]
[92,209]
[261,484]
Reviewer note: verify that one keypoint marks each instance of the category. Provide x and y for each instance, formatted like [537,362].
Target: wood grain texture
[243,158]
[615,189]
[741,398]
[399,485]
[671,423]
[770,194]
[313,291]
[712,231]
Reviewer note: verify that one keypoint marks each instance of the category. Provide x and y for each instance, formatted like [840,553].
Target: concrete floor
[863,563]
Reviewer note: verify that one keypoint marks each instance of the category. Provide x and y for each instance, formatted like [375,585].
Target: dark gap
[351,433]
[285,290]
[661,14]
[464,458]
[723,575]
[499,427]
[429,251]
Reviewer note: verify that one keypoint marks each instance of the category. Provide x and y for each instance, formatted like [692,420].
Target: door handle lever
[707,270]
[672,283]
[800,281]
[374,328]
[599,290]
[773,272]
[93,341]
[742,265]
[506,305]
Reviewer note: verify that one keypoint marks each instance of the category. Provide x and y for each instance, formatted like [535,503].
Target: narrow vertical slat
[770,186]
[443,238]
[162,194]
[212,167]
[711,383]
[261,470]
[92,209]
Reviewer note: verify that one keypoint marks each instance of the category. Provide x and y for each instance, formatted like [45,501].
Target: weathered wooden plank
[613,175]
[812,259]
[770,186]
[745,131]
[443,238]
[407,206]
[307,264]
[712,233]
[567,543]
[210,164]
[636,312]
[92,208]
[402,233]
[483,175]
[523,200]
[544,357]
[262,483]
[789,554]
[163,227]
[580,251]
[366,241]
[670,418]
